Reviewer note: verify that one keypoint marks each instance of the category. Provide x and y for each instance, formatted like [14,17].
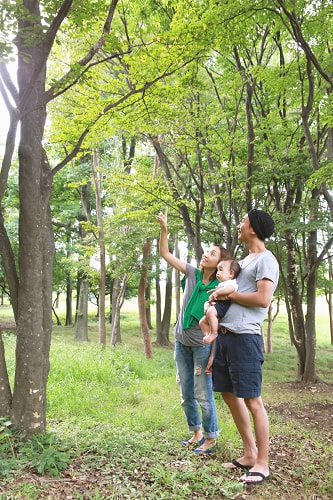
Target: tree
[34,27]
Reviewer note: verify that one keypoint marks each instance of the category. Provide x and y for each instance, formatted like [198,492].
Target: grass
[115,420]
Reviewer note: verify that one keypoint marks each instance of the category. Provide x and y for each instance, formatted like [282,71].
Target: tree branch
[89,56]
[7,83]
[299,38]
[51,93]
[133,91]
[55,25]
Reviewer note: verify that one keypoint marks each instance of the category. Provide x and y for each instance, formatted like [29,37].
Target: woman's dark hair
[225,254]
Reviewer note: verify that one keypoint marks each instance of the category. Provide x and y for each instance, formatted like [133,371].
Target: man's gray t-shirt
[243,319]
[191,336]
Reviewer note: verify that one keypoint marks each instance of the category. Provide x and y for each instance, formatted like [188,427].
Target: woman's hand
[164,246]
[163,219]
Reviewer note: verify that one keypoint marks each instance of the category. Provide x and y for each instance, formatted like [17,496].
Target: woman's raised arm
[164,246]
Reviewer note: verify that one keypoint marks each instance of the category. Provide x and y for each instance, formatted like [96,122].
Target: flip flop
[193,443]
[259,474]
[206,450]
[239,465]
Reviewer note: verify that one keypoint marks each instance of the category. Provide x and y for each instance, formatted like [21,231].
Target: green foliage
[322,176]
[6,428]
[45,453]
[8,436]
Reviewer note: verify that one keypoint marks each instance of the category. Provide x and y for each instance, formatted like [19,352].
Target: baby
[227,272]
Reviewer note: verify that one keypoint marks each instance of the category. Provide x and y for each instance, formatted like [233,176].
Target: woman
[191,354]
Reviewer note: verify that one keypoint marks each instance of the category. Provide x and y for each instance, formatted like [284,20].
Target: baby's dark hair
[235,267]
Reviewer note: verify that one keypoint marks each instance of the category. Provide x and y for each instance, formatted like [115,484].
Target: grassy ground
[115,422]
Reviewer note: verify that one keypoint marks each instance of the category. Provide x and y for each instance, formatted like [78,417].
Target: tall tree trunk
[81,332]
[166,320]
[118,296]
[163,323]
[69,301]
[148,348]
[310,375]
[158,307]
[36,243]
[102,272]
[294,304]
[34,320]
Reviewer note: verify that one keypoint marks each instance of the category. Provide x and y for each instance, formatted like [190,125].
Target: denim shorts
[237,366]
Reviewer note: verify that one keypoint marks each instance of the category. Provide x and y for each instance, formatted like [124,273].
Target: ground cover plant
[115,422]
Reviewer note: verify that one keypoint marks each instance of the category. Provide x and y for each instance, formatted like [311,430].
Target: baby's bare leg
[204,325]
[213,321]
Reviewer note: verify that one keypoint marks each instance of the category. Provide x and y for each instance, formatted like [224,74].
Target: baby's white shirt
[232,283]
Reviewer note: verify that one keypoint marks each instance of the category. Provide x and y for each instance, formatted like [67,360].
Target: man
[237,367]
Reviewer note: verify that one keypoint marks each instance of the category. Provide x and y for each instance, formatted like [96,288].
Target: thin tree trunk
[118,295]
[310,375]
[148,308]
[166,320]
[294,304]
[69,301]
[5,391]
[102,273]
[177,281]
[163,322]
[81,333]
[158,308]
[148,348]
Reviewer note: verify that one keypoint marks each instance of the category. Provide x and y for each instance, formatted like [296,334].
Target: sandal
[255,474]
[207,451]
[236,464]
[193,443]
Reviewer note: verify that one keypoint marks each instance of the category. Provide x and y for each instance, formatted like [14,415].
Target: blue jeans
[196,388]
